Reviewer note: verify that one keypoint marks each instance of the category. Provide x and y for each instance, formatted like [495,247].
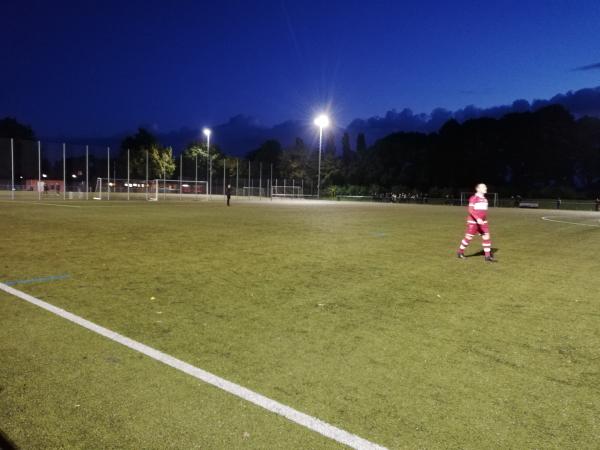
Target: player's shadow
[481,253]
[5,442]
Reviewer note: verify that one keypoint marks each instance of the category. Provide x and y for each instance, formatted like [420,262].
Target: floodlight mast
[207,132]
[322,121]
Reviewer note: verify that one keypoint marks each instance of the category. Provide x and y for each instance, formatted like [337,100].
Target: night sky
[99,68]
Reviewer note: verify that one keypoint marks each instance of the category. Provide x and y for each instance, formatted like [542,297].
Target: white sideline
[310,422]
[40,203]
[549,219]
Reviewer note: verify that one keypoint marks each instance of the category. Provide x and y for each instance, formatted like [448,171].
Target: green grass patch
[358,314]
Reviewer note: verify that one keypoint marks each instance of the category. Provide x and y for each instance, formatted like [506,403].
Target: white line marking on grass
[310,422]
[549,219]
[39,203]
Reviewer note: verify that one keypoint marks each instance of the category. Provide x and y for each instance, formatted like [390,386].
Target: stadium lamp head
[322,121]
[207,131]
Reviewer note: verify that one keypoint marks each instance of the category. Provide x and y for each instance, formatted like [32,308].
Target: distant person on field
[228,193]
[558,203]
[477,223]
[598,203]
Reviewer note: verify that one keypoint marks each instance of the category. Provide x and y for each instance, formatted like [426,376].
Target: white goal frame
[287,191]
[254,191]
[493,198]
[151,190]
[180,189]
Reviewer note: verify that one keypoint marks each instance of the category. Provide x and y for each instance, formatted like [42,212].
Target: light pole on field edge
[207,132]
[322,121]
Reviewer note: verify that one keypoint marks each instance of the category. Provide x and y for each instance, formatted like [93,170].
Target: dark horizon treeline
[545,153]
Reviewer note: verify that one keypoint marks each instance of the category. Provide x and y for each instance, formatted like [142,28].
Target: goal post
[493,198]
[151,190]
[287,191]
[180,189]
[254,191]
[98,189]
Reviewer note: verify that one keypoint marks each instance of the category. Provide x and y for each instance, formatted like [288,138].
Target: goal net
[286,191]
[181,189]
[123,189]
[254,191]
[153,190]
[491,196]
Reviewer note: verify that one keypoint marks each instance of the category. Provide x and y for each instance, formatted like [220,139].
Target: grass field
[358,314]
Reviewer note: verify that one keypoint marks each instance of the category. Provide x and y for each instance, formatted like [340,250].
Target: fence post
[108,172]
[12,169]
[147,177]
[271,184]
[39,171]
[180,176]
[87,174]
[224,164]
[196,176]
[260,180]
[64,171]
[128,182]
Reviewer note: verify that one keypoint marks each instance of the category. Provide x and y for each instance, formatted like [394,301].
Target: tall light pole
[322,122]
[207,132]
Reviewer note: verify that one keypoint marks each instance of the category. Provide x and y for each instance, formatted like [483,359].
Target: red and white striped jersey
[478,206]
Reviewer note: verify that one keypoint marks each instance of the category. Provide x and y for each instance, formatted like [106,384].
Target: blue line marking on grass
[38,280]
[378,234]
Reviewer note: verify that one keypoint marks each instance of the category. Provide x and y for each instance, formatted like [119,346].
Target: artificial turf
[358,314]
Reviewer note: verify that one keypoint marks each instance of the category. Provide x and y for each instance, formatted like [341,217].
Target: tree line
[544,153]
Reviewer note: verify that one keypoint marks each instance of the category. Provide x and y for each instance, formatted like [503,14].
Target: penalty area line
[300,418]
[550,219]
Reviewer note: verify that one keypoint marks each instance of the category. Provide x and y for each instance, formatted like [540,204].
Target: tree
[161,162]
[25,151]
[11,128]
[160,159]
[197,151]
[270,152]
[348,155]
[331,165]
[361,144]
[295,162]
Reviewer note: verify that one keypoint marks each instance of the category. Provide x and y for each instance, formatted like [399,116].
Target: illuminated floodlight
[73,176]
[322,121]
[207,132]
[44,175]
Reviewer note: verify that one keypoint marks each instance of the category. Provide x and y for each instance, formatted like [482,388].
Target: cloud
[595,66]
[242,134]
[579,103]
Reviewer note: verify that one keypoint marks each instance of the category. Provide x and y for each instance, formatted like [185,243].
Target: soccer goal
[287,191]
[123,189]
[181,189]
[151,190]
[254,191]
[491,196]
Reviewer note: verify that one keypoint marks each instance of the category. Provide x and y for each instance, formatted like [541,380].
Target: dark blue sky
[96,68]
